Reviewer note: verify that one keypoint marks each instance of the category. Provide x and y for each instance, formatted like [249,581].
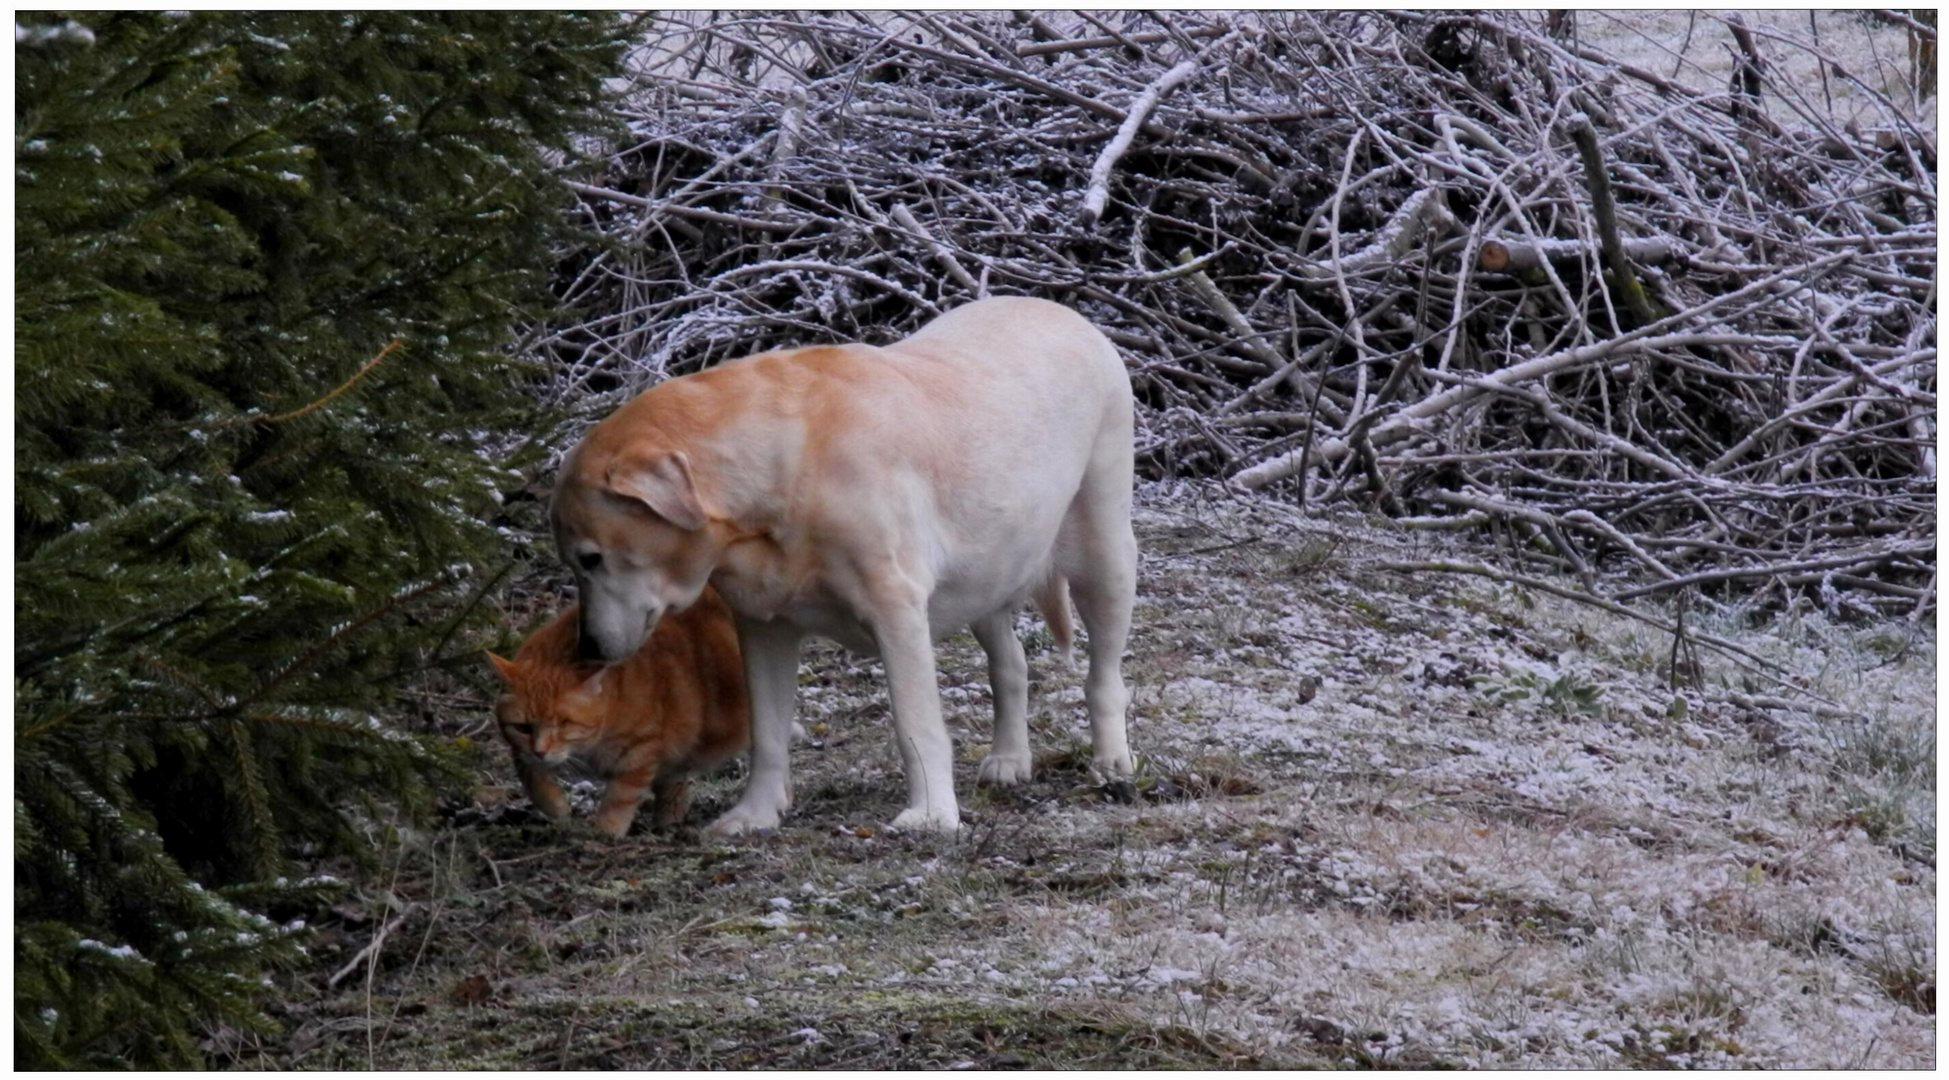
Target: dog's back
[1046,400]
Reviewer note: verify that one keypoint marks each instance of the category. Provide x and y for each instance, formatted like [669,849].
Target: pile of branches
[1457,268]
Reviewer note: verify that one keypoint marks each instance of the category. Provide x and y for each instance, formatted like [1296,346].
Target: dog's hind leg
[1103,583]
[771,673]
[1008,761]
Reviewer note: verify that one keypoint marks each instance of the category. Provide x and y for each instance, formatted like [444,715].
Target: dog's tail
[1052,599]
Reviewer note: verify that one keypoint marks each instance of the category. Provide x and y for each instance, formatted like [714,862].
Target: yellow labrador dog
[880,497]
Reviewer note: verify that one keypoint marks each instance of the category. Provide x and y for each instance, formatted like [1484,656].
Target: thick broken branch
[1509,256]
[1140,109]
[1623,279]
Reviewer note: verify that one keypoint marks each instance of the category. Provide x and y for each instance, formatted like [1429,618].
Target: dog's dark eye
[589,559]
[522,729]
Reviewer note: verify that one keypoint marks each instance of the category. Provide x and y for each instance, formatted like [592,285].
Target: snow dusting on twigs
[1657,328]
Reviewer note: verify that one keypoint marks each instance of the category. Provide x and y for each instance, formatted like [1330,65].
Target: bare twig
[942,255]
[374,947]
[1706,355]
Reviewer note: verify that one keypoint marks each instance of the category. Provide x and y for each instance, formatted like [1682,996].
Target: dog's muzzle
[588,645]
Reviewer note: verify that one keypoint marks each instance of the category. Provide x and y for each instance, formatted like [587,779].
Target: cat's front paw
[613,824]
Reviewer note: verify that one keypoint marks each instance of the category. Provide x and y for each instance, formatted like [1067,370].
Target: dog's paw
[921,819]
[1114,766]
[1004,770]
[742,819]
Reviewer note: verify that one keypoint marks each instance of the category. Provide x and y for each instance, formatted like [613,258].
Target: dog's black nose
[585,645]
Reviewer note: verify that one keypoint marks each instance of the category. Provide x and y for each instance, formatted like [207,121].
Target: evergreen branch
[312,655]
[453,625]
[51,723]
[182,678]
[343,387]
[354,729]
[254,799]
[193,649]
[280,418]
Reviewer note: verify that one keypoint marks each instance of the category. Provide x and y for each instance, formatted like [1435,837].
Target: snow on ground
[1491,837]
[1696,48]
[1384,818]
[1388,818]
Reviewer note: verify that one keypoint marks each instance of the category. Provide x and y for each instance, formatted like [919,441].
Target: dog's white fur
[881,497]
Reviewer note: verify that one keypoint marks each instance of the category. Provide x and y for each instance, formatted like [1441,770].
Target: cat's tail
[1052,599]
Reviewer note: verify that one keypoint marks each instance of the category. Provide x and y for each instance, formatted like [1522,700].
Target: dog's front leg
[771,677]
[907,648]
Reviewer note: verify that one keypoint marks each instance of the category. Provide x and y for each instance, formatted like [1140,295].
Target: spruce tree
[268,266]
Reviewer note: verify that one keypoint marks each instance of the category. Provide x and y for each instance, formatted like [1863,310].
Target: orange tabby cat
[675,708]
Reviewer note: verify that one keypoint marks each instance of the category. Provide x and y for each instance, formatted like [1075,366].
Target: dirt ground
[1382,818]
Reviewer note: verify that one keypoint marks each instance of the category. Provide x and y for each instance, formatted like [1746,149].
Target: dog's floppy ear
[660,481]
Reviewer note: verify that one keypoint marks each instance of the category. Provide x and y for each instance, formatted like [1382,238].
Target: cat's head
[550,710]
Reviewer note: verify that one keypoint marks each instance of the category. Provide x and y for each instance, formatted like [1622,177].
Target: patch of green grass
[1497,612]
[1891,642]
[1567,694]
[1883,747]
[1905,971]
[1885,768]
[1638,652]
[1312,556]
[1375,614]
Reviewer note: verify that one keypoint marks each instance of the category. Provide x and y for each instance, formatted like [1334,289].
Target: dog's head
[631,525]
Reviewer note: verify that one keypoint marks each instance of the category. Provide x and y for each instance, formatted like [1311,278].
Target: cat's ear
[592,686]
[504,666]
[582,703]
